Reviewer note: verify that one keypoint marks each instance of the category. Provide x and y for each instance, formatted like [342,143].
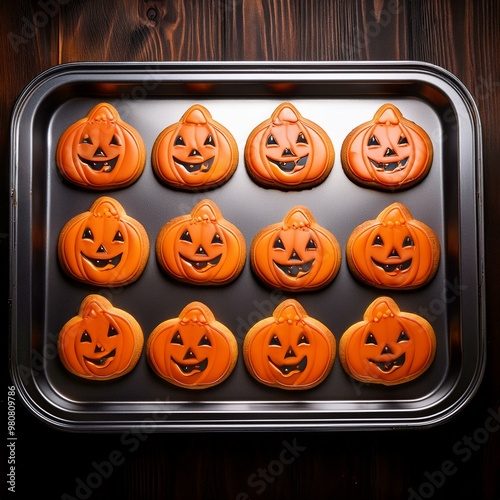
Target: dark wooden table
[460,459]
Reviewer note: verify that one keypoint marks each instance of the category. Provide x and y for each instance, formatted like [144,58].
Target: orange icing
[289,350]
[193,350]
[196,152]
[388,152]
[101,151]
[202,247]
[394,250]
[296,254]
[104,246]
[288,151]
[389,346]
[101,342]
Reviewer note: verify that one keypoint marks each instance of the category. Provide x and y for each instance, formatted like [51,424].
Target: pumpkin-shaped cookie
[104,246]
[202,247]
[289,350]
[101,151]
[388,152]
[195,153]
[394,250]
[100,343]
[194,350]
[296,254]
[288,151]
[389,346]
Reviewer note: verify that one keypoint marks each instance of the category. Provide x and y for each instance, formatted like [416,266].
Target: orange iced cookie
[197,152]
[194,350]
[288,151]
[389,346]
[104,246]
[289,350]
[202,247]
[394,250]
[388,152]
[296,254]
[100,343]
[101,151]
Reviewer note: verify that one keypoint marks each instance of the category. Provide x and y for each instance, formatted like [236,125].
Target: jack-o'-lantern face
[104,246]
[288,151]
[101,342]
[389,152]
[194,350]
[393,251]
[296,254]
[202,247]
[289,350]
[388,347]
[101,151]
[195,153]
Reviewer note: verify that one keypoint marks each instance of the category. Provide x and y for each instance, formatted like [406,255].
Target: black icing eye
[185,236]
[216,240]
[377,241]
[371,339]
[177,339]
[209,141]
[403,337]
[118,237]
[402,141]
[271,141]
[112,331]
[87,234]
[311,245]
[179,141]
[275,341]
[301,139]
[85,337]
[205,341]
[278,244]
[303,340]
[115,141]
[408,242]
[86,139]
[373,141]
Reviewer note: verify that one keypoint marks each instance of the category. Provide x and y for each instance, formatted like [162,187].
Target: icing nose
[394,254]
[287,152]
[294,255]
[101,249]
[189,354]
[99,152]
[290,353]
[201,251]
[390,152]
[387,350]
[195,152]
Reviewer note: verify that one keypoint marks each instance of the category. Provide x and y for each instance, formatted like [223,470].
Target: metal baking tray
[337,96]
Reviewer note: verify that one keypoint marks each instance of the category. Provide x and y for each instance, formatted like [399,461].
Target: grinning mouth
[387,366]
[295,270]
[102,360]
[188,369]
[192,167]
[289,166]
[289,369]
[105,166]
[392,166]
[101,263]
[392,268]
[202,265]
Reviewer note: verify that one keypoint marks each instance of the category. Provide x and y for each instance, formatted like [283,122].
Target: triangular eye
[115,141]
[311,245]
[112,332]
[119,237]
[86,139]
[278,244]
[271,140]
[87,234]
[408,242]
[371,339]
[275,341]
[373,141]
[301,139]
[209,141]
[205,341]
[185,236]
[177,339]
[303,340]
[216,240]
[403,337]
[377,241]
[402,140]
[85,337]
[179,141]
